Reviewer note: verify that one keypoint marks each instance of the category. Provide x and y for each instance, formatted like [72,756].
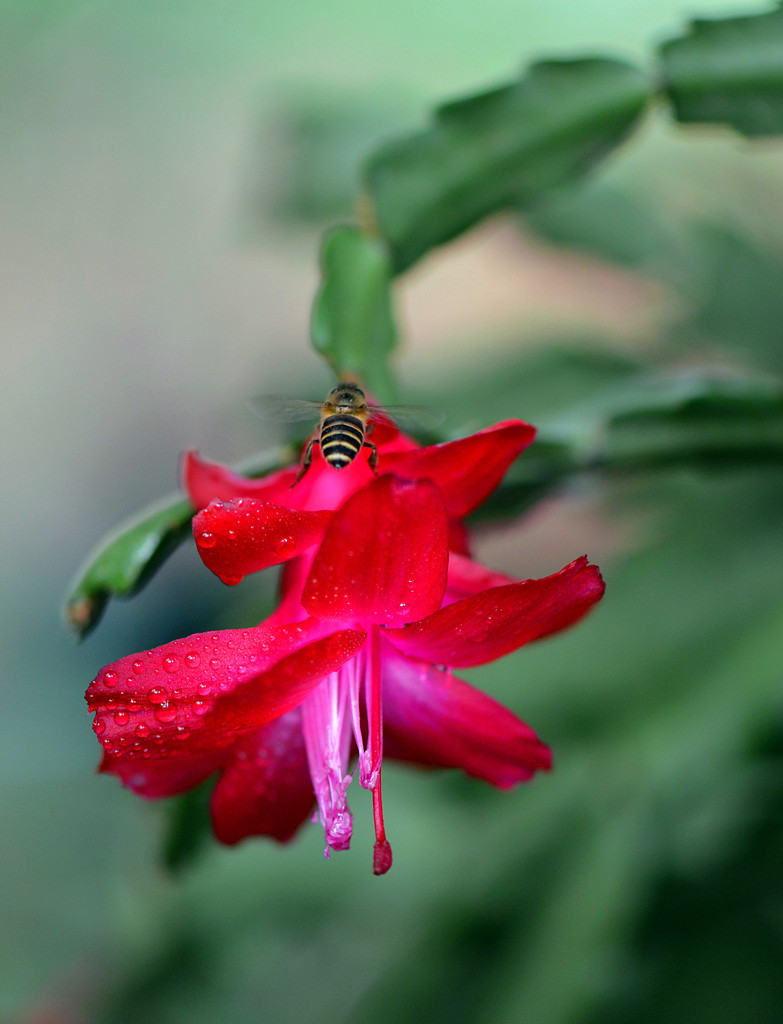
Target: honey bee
[346,420]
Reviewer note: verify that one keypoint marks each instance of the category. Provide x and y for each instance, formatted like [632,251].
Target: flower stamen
[382,854]
[327,738]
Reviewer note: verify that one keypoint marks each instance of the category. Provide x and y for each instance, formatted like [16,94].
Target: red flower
[376,598]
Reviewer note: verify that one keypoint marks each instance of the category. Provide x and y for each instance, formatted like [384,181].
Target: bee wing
[284,410]
[410,416]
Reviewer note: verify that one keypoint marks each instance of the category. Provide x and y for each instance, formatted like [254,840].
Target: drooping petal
[433,718]
[155,777]
[195,695]
[488,625]
[286,684]
[467,578]
[265,790]
[207,481]
[466,471]
[246,535]
[384,556]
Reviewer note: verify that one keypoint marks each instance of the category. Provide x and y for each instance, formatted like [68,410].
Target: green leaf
[621,227]
[694,418]
[502,148]
[353,323]
[730,71]
[125,560]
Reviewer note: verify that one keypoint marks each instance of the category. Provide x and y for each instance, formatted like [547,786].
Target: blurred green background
[165,173]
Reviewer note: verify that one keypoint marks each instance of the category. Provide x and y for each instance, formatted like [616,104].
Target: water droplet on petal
[214,663]
[111,705]
[182,732]
[192,660]
[166,712]
[157,695]
[138,667]
[285,546]
[121,717]
[200,707]
[206,540]
[230,581]
[110,678]
[142,731]
[170,663]
[231,534]
[99,726]
[203,689]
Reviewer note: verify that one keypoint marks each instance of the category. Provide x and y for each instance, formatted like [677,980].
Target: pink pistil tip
[381,857]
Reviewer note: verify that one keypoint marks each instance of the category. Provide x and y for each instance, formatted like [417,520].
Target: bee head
[346,394]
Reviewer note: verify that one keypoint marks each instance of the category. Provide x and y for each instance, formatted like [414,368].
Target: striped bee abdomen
[342,436]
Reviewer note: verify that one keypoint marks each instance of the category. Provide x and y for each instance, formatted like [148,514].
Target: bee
[346,420]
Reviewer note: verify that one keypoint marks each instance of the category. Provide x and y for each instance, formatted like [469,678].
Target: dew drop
[206,540]
[133,704]
[231,534]
[106,742]
[229,580]
[138,667]
[170,663]
[99,726]
[110,678]
[182,732]
[203,689]
[157,695]
[121,717]
[285,546]
[200,707]
[166,712]
[142,731]
[215,638]
[214,663]
[177,694]
[111,705]
[192,660]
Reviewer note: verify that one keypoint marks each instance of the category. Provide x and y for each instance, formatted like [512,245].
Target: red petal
[174,701]
[156,777]
[467,578]
[459,538]
[384,556]
[266,788]
[433,718]
[206,481]
[467,470]
[286,684]
[247,535]
[497,621]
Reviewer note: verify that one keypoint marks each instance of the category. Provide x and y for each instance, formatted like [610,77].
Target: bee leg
[305,463]
[373,456]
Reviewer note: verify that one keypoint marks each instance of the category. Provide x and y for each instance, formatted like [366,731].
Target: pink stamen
[327,741]
[382,854]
